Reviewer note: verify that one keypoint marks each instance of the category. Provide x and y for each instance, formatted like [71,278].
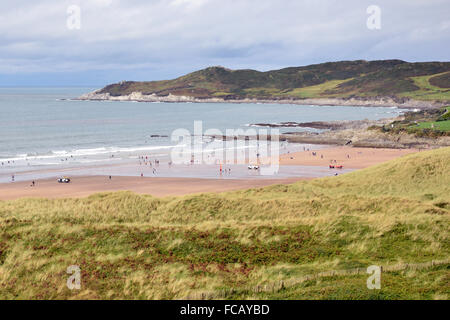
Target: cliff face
[396,80]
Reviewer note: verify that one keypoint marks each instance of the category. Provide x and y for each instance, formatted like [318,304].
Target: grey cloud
[176,36]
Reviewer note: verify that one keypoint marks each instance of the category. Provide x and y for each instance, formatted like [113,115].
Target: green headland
[395,79]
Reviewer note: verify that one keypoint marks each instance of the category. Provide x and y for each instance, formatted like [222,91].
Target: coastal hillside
[395,79]
[309,240]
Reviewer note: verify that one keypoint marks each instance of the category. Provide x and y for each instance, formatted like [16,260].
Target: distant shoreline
[351,102]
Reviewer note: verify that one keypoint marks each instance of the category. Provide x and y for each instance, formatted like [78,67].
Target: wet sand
[160,187]
[350,158]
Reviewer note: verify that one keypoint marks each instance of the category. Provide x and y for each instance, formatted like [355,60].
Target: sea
[44,132]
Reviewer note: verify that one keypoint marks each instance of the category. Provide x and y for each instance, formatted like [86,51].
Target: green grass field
[230,245]
[431,123]
[315,91]
[320,90]
[428,91]
[435,125]
[442,122]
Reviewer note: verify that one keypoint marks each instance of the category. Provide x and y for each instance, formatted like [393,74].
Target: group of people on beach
[146,161]
[224,170]
[315,155]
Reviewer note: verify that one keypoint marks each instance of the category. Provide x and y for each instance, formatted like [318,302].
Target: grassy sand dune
[223,245]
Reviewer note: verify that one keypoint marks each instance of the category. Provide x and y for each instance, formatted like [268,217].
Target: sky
[96,42]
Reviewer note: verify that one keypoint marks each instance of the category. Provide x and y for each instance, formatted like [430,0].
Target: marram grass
[131,246]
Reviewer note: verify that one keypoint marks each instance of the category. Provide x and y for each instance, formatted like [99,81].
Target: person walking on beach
[12,178]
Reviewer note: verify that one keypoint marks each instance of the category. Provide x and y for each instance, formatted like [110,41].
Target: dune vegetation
[260,243]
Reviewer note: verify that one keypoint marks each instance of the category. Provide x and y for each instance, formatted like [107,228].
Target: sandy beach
[160,187]
[82,186]
[348,157]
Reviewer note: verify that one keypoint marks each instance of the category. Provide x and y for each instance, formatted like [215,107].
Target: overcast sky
[161,39]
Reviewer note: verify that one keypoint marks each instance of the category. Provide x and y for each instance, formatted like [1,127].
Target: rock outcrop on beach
[355,133]
[365,133]
[323,125]
[353,83]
